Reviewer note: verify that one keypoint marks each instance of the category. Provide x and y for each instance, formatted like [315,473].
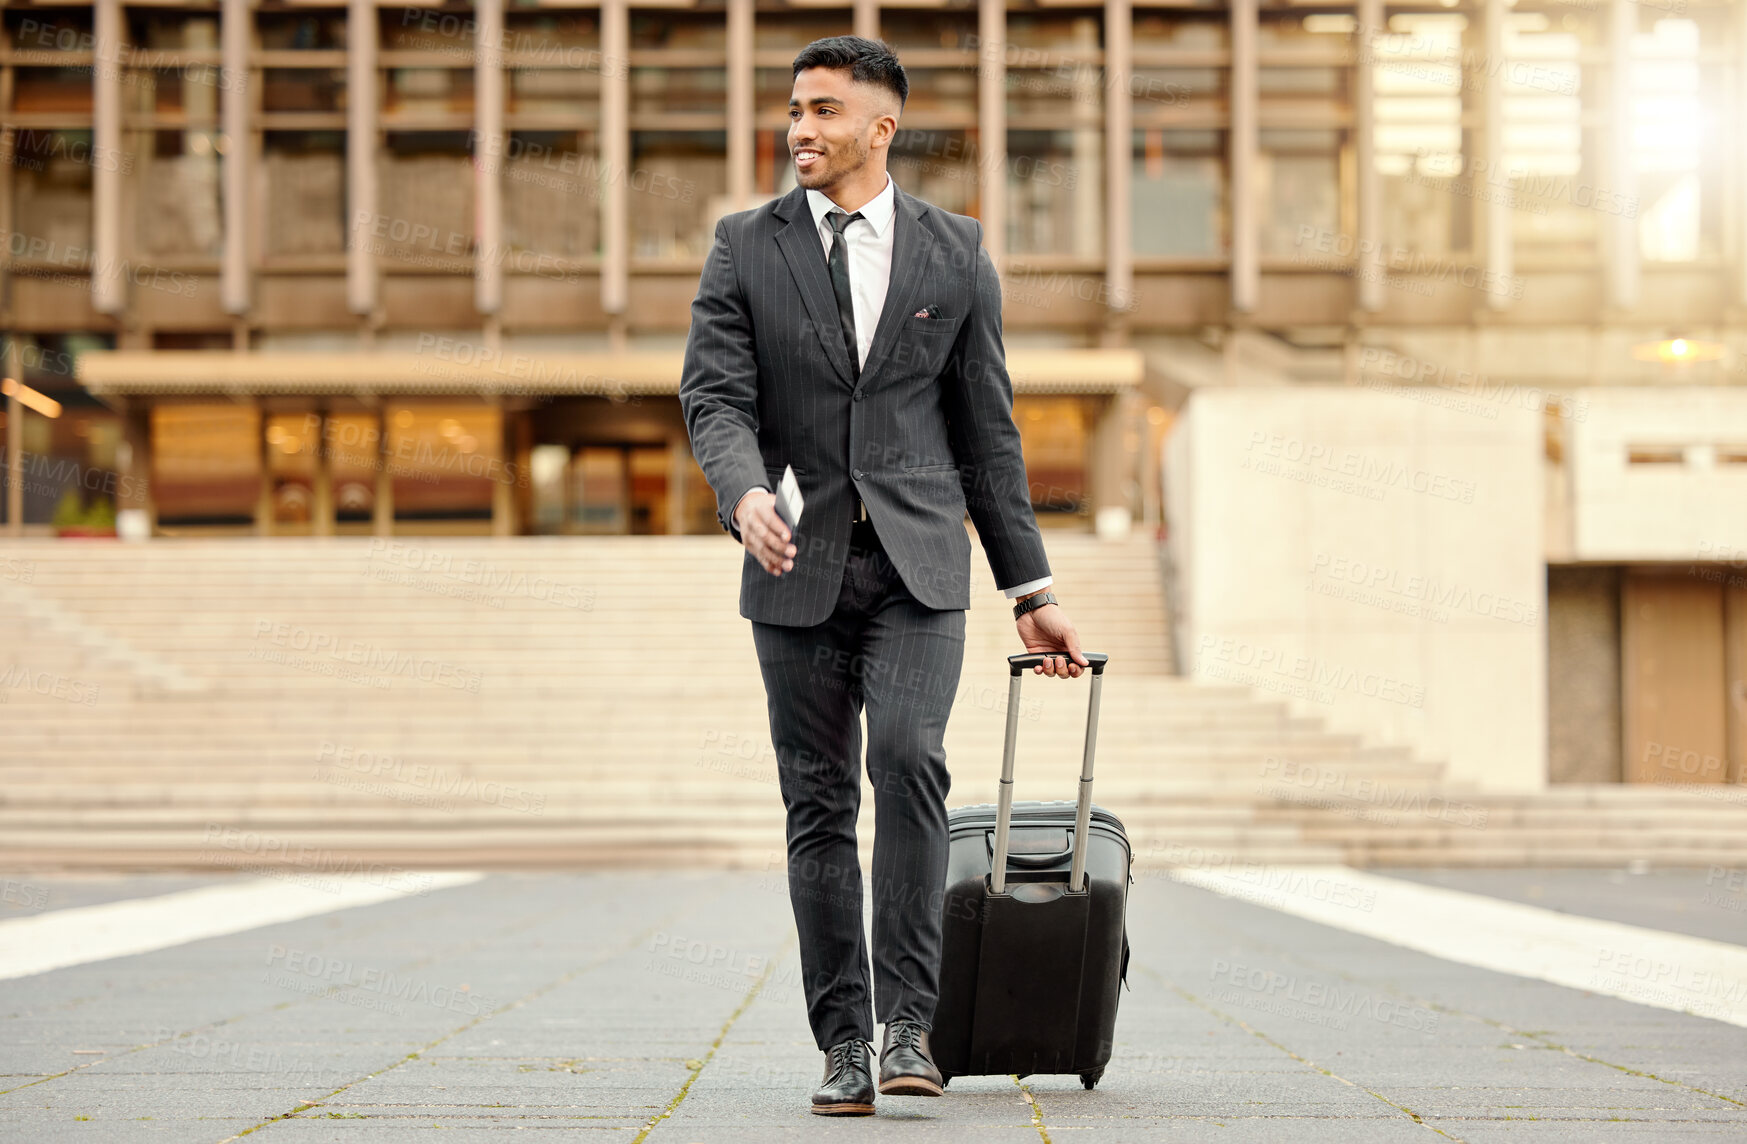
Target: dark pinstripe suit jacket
[926,434]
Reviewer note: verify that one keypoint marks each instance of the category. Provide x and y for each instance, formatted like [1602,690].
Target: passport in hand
[788,499]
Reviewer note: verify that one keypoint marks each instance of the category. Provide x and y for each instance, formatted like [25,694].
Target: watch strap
[1032,603]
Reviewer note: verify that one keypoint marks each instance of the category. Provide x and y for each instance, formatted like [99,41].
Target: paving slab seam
[532,995]
[1265,1039]
[276,1007]
[1541,1038]
[703,1062]
[1036,1109]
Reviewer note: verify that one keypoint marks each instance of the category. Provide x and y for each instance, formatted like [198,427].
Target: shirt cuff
[1028,586]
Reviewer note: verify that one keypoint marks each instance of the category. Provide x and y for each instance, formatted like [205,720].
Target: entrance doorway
[616,488]
[1684,676]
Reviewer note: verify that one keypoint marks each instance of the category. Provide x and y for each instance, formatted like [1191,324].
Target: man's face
[834,123]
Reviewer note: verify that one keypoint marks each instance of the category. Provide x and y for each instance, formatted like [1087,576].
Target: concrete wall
[1373,559]
[1694,507]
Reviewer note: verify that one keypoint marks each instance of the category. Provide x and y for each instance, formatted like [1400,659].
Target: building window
[1677,145]
[937,165]
[1552,164]
[1179,194]
[427,215]
[444,459]
[1180,189]
[206,463]
[1055,137]
[1054,436]
[680,180]
[303,182]
[52,188]
[1421,148]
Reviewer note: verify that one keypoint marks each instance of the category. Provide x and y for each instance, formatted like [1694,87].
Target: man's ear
[888,105]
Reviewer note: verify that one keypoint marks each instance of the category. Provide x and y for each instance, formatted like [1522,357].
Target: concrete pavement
[667,1008]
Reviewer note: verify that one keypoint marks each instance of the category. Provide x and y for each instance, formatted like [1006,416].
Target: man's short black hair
[868,61]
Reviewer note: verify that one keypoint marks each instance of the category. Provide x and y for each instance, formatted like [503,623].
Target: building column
[1497,208]
[1110,464]
[1245,267]
[742,115]
[321,511]
[264,500]
[503,489]
[382,516]
[14,439]
[1367,185]
[238,96]
[361,97]
[8,153]
[1622,249]
[991,150]
[134,488]
[108,289]
[1738,154]
[489,152]
[615,162]
[1089,105]
[679,463]
[1119,153]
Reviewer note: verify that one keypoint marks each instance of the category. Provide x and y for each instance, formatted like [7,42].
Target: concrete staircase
[349,704]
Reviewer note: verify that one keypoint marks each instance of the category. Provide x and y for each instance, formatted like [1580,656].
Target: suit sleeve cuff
[1028,586]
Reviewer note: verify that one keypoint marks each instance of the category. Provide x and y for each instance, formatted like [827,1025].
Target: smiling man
[853,332]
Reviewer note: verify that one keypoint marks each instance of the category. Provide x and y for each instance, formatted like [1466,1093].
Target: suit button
[858,395]
[859,474]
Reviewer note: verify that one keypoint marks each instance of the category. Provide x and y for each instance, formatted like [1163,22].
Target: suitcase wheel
[1090,1079]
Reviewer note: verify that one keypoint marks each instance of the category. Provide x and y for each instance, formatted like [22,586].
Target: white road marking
[83,934]
[1651,967]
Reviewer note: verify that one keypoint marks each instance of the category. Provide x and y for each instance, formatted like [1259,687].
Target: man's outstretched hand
[763,532]
[1047,630]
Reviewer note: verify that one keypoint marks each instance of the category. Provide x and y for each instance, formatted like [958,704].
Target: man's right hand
[763,532]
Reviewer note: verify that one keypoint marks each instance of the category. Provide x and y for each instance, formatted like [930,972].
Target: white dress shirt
[870,240]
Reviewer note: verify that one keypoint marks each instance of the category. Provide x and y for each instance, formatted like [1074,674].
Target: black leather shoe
[906,1065]
[848,1088]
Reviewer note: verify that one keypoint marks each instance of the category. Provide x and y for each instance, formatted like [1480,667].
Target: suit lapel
[800,245]
[912,244]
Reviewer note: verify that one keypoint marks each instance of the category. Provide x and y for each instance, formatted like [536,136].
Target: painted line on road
[1650,967]
[84,934]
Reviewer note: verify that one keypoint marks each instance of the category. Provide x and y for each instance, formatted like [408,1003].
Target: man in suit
[853,331]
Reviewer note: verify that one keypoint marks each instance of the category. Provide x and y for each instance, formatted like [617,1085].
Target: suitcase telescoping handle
[1017,665]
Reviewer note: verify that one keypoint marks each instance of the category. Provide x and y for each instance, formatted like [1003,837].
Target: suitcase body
[1032,962]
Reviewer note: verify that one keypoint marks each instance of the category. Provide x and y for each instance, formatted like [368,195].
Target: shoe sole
[846,1109]
[909,1086]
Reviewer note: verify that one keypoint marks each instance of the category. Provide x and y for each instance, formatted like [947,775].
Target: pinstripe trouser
[882,649]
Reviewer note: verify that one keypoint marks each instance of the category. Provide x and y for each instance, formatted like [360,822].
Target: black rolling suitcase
[1034,945]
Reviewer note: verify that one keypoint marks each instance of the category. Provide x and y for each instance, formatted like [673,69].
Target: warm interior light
[30,398]
[1677,350]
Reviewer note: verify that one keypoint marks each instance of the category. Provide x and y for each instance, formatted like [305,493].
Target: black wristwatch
[1032,603]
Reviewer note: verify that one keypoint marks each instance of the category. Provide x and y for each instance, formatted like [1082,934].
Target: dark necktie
[840,285]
